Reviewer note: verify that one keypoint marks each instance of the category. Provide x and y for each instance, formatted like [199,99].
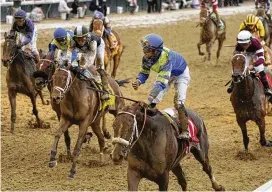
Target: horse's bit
[129,144]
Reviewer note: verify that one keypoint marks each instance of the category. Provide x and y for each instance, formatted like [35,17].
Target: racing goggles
[61,40]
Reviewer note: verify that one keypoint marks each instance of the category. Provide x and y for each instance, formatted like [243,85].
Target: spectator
[99,5]
[63,8]
[37,14]
[150,6]
[16,5]
[132,5]
[77,10]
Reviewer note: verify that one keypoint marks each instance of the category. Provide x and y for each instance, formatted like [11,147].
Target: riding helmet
[152,41]
[244,37]
[60,33]
[98,15]
[81,31]
[250,19]
[20,14]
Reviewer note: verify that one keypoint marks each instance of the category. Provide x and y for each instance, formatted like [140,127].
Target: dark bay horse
[81,106]
[248,99]
[19,77]
[152,149]
[115,54]
[209,34]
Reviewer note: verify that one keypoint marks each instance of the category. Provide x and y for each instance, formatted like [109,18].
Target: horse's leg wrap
[105,83]
[183,117]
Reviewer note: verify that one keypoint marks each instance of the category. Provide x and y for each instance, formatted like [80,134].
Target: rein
[129,143]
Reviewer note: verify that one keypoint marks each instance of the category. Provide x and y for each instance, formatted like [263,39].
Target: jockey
[266,5]
[171,67]
[253,48]
[203,5]
[107,27]
[92,47]
[254,25]
[63,41]
[26,33]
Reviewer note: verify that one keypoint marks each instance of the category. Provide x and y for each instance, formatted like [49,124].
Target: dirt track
[25,155]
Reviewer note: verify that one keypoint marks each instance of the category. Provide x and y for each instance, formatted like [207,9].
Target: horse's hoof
[52,164]
[70,177]
[268,144]
[202,54]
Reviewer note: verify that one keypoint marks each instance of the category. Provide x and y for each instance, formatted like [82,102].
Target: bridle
[238,73]
[128,144]
[69,81]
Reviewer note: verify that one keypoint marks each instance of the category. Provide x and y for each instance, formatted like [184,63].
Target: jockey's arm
[100,55]
[144,72]
[242,26]
[28,32]
[259,54]
[161,81]
[260,27]
[93,53]
[52,48]
[107,25]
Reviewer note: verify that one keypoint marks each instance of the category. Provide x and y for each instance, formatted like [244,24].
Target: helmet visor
[81,40]
[61,40]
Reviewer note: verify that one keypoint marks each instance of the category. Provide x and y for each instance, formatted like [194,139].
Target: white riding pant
[96,52]
[32,44]
[181,83]
[249,58]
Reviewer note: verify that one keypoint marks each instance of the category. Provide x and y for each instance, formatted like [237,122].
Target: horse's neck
[209,28]
[20,63]
[245,88]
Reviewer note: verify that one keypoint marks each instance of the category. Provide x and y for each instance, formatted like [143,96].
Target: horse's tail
[122,83]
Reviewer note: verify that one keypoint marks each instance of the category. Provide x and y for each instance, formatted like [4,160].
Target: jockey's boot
[267,89]
[183,117]
[105,83]
[230,88]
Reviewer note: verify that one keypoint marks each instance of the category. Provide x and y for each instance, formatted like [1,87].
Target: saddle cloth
[172,115]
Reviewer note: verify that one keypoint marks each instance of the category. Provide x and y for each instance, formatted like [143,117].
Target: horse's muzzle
[56,99]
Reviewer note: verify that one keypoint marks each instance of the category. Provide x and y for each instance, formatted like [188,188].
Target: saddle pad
[173,115]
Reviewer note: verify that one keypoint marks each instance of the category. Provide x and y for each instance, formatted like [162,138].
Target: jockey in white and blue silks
[63,42]
[171,68]
[26,33]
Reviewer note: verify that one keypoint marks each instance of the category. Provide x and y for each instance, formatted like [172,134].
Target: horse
[267,26]
[19,78]
[80,104]
[209,34]
[152,149]
[248,99]
[115,54]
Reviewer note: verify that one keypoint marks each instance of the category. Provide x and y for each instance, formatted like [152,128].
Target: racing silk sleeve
[242,26]
[260,28]
[107,26]
[214,5]
[93,51]
[259,51]
[144,71]
[29,29]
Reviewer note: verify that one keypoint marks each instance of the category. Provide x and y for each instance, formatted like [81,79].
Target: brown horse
[267,26]
[248,99]
[209,33]
[79,105]
[115,54]
[19,78]
[152,147]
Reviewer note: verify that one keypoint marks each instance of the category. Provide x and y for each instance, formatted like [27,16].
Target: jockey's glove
[136,84]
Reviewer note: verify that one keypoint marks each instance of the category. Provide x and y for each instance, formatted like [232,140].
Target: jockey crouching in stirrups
[253,48]
[26,33]
[63,42]
[92,47]
[171,67]
[107,28]
[203,5]
[254,25]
